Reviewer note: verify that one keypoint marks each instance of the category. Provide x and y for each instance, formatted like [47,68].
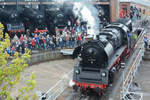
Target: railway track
[78,96]
[89,97]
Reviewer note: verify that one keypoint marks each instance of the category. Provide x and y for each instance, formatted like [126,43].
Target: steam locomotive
[100,58]
[12,21]
[33,18]
[25,18]
[51,17]
[57,16]
[48,18]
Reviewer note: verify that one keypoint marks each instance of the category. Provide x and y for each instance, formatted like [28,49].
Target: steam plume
[85,11]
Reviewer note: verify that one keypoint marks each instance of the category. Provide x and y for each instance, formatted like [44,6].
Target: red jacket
[122,14]
[79,38]
[33,42]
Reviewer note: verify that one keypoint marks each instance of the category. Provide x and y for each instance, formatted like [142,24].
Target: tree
[10,71]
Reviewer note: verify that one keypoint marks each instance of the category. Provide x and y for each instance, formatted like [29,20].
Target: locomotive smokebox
[96,53]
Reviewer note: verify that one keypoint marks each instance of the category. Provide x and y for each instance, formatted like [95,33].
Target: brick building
[126,4]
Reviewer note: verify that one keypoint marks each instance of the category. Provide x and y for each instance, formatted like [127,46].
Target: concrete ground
[143,77]
[47,74]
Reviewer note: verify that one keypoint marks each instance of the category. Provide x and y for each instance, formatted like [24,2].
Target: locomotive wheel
[75,88]
[111,78]
[118,67]
[83,92]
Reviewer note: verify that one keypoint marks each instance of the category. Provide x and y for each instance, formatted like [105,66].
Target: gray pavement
[47,74]
[143,77]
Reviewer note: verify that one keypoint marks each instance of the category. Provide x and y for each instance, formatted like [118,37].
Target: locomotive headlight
[103,74]
[77,71]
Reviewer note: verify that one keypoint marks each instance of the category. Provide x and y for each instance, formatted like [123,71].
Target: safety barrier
[129,76]
[133,96]
[58,88]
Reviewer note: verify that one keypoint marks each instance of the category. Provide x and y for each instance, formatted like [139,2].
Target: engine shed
[111,6]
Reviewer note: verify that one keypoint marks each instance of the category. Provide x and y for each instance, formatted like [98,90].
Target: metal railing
[133,96]
[129,76]
[54,92]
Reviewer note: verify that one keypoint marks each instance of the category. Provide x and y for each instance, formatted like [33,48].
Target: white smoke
[86,11]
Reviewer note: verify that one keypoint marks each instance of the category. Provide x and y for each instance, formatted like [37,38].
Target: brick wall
[114,9]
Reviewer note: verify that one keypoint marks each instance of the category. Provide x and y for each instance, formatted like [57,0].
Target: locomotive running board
[117,54]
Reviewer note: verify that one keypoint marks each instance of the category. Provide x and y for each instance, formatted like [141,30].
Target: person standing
[61,42]
[72,40]
[21,38]
[37,39]
[33,43]
[29,42]
[122,13]
[79,40]
[54,41]
[68,41]
[23,47]
[18,45]
[51,45]
[47,41]
[146,41]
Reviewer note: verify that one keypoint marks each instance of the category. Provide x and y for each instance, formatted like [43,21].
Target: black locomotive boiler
[58,16]
[11,19]
[33,18]
[100,58]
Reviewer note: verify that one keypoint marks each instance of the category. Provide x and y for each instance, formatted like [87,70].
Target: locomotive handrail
[132,70]
[127,80]
[131,73]
[133,65]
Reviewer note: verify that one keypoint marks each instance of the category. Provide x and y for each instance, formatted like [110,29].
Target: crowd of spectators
[70,36]
[135,13]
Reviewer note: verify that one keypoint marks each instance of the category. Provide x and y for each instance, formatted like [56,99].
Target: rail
[58,88]
[129,76]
